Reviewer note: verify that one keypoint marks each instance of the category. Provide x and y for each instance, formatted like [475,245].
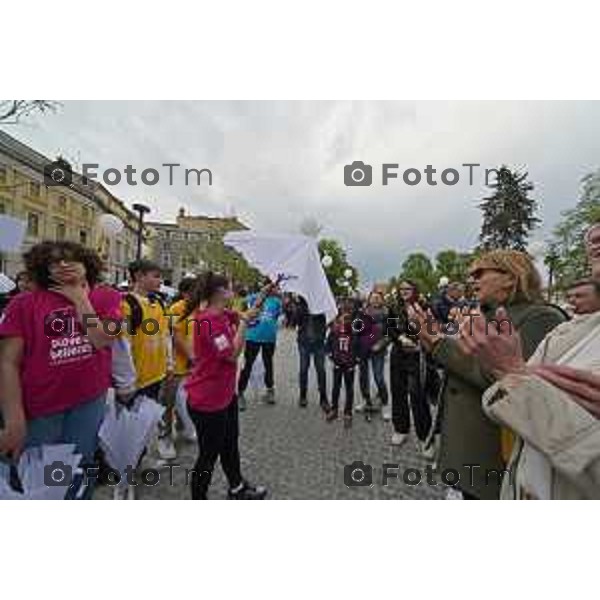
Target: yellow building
[61,212]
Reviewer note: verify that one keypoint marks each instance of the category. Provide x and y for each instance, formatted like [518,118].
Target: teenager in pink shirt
[219,336]
[55,360]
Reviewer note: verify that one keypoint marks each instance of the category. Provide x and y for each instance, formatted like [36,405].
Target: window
[62,203]
[61,232]
[85,213]
[166,260]
[83,237]
[119,251]
[34,189]
[3,174]
[33,224]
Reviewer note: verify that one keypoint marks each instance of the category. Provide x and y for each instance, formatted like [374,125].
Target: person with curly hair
[55,359]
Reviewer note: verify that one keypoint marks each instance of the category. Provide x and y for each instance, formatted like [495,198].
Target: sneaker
[360,407]
[248,492]
[427,451]
[269,396]
[332,415]
[303,402]
[166,449]
[347,420]
[398,438]
[386,412]
[325,406]
[453,494]
[242,402]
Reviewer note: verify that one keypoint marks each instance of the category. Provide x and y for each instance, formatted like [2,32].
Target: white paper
[294,256]
[12,233]
[125,432]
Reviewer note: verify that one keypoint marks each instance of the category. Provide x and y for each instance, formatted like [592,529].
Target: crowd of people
[485,372]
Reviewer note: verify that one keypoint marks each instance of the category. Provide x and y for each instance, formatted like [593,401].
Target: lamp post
[141,209]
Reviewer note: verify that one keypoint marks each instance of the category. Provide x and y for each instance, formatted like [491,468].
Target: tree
[12,110]
[336,272]
[453,265]
[418,268]
[566,256]
[509,213]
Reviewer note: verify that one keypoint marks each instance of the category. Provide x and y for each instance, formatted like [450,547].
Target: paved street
[297,454]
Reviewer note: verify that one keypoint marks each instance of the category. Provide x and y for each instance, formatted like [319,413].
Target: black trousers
[346,376]
[408,395]
[218,434]
[251,352]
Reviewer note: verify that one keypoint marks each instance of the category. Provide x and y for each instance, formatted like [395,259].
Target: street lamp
[141,209]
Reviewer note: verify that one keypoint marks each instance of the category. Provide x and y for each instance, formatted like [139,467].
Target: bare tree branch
[12,110]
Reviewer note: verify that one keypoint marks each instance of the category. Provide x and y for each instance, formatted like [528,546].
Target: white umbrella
[296,258]
[6,284]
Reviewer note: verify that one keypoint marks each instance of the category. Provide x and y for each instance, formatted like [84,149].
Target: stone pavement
[296,453]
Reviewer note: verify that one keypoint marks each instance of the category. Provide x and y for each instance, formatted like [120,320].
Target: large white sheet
[294,256]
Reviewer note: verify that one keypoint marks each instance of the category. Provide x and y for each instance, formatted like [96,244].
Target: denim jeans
[77,426]
[317,351]
[377,362]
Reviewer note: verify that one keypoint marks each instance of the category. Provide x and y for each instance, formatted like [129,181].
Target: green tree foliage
[335,273]
[419,269]
[566,253]
[453,265]
[509,213]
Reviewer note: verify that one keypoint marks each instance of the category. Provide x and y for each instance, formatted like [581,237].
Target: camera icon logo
[59,324]
[58,172]
[357,474]
[57,474]
[357,173]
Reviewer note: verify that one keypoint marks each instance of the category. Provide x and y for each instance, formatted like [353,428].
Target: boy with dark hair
[147,327]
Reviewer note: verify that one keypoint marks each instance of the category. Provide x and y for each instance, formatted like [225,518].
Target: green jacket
[468,436]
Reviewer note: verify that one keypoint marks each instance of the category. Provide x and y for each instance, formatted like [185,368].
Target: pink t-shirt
[211,384]
[58,372]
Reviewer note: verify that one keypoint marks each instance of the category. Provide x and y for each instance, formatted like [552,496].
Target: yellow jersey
[184,328]
[150,342]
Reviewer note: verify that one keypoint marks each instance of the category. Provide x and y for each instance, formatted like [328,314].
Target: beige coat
[557,455]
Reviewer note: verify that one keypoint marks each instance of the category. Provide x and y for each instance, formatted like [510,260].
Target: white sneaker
[360,407]
[386,412]
[427,452]
[398,438]
[166,449]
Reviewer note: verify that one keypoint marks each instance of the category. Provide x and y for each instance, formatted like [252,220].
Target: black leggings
[218,434]
[408,390]
[345,375]
[250,354]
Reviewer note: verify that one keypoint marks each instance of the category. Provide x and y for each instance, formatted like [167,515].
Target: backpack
[135,308]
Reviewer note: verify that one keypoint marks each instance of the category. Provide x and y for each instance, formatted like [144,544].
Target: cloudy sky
[276,163]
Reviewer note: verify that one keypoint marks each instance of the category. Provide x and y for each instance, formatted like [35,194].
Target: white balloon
[444,281]
[327,261]
[110,224]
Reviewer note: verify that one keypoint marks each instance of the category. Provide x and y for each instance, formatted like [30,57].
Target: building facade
[193,244]
[61,212]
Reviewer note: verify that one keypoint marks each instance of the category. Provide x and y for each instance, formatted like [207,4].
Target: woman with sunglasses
[473,446]
[219,337]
